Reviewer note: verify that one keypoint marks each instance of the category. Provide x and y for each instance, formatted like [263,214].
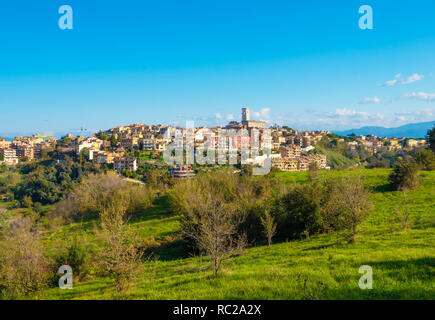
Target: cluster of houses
[374,144]
[289,148]
[25,148]
[97,150]
[291,159]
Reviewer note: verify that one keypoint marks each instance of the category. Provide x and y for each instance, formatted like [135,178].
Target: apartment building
[5,144]
[291,152]
[124,163]
[182,171]
[102,157]
[285,164]
[25,151]
[89,143]
[9,156]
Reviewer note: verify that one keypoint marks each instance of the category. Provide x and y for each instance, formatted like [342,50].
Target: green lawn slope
[322,267]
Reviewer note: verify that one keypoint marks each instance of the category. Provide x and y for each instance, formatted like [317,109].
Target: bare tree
[23,267]
[403,213]
[313,170]
[213,224]
[120,257]
[348,206]
[269,226]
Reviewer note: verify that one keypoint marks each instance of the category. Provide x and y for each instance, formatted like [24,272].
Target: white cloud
[415,116]
[218,116]
[347,118]
[370,100]
[415,77]
[389,83]
[401,118]
[347,113]
[230,117]
[421,96]
[263,114]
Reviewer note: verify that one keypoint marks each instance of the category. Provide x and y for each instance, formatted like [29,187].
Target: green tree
[346,205]
[405,175]
[426,159]
[431,138]
[113,141]
[298,212]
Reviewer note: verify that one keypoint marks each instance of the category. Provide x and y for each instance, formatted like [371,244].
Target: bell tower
[245,114]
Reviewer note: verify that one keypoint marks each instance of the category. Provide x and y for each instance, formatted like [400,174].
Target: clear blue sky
[301,63]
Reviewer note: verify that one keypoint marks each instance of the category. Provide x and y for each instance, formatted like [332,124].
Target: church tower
[245,114]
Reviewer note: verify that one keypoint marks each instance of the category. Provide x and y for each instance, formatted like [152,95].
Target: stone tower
[245,114]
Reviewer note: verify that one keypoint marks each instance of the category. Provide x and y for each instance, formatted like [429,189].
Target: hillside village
[292,150]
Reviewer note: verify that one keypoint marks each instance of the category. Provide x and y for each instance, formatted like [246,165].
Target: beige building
[291,152]
[124,163]
[10,156]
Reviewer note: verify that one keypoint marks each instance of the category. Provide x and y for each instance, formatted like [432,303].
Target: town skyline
[420,127]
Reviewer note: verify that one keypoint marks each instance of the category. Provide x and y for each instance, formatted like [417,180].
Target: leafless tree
[269,226]
[403,213]
[23,267]
[213,224]
[348,205]
[120,257]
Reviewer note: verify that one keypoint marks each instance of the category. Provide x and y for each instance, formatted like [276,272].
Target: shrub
[213,208]
[26,202]
[298,212]
[76,253]
[23,267]
[96,192]
[269,226]
[405,176]
[345,206]
[431,138]
[119,256]
[426,159]
[313,171]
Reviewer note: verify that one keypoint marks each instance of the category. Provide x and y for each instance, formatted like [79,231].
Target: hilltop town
[122,147]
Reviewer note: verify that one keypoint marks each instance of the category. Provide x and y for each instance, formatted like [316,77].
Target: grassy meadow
[321,267]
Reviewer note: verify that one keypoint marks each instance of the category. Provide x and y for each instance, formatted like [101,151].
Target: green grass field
[322,267]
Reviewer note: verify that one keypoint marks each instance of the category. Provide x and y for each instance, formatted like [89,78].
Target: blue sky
[300,63]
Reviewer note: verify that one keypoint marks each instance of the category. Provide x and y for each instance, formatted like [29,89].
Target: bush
[298,212]
[426,159]
[94,193]
[24,269]
[431,138]
[345,206]
[120,256]
[405,176]
[213,206]
[75,254]
[48,183]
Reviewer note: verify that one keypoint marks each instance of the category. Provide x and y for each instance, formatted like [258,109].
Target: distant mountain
[412,130]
